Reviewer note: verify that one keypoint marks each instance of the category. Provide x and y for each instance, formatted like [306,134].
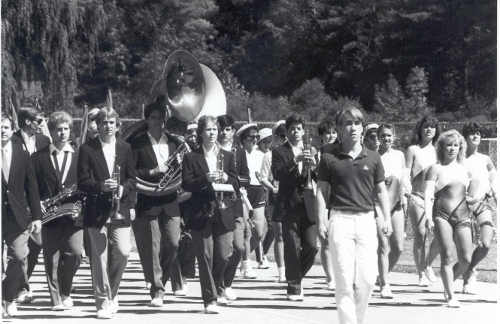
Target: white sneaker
[212,308]
[67,301]
[281,274]
[423,281]
[156,302]
[429,273]
[25,297]
[59,307]
[229,294]
[181,292]
[386,293]
[330,285]
[104,314]
[223,301]
[249,274]
[264,264]
[114,306]
[11,308]
[294,297]
[147,286]
[470,286]
[453,303]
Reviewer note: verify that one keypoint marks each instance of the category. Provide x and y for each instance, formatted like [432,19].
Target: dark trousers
[16,243]
[187,255]
[157,241]
[213,245]
[62,253]
[34,247]
[299,238]
[238,250]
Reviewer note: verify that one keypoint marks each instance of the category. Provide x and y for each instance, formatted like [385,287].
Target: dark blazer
[145,160]
[49,184]
[242,167]
[41,141]
[92,171]
[20,197]
[203,200]
[286,171]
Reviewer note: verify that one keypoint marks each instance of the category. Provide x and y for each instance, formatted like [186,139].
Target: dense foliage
[397,59]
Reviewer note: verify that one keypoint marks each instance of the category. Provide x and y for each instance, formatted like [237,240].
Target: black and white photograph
[249,161]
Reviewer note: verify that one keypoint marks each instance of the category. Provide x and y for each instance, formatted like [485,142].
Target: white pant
[352,239]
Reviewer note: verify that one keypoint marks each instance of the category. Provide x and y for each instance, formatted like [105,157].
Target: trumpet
[220,170]
[307,165]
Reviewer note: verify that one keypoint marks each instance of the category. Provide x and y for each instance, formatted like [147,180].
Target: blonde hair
[107,113]
[445,138]
[58,117]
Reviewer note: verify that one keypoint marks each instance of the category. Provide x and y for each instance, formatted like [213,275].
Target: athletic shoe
[223,301]
[249,274]
[25,297]
[296,297]
[264,264]
[104,314]
[181,292]
[11,308]
[386,292]
[212,308]
[453,303]
[156,302]
[67,301]
[59,307]
[423,281]
[114,306]
[148,286]
[429,273]
[229,294]
[330,285]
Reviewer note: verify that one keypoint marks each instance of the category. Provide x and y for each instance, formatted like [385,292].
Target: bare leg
[463,241]
[444,233]
[397,238]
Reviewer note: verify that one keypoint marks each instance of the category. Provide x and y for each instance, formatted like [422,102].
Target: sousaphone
[188,90]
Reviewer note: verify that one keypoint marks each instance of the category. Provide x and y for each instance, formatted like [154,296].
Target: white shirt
[109,150]
[394,163]
[160,148]
[7,159]
[477,165]
[29,141]
[254,162]
[296,151]
[60,158]
[211,158]
[265,171]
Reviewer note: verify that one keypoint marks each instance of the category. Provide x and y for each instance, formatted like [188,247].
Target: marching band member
[356,175]
[29,135]
[157,226]
[212,228]
[19,192]
[483,170]
[419,157]
[226,140]
[257,224]
[102,162]
[446,194]
[299,232]
[55,169]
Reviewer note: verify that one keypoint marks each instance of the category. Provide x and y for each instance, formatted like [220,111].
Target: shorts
[257,196]
[484,210]
[460,216]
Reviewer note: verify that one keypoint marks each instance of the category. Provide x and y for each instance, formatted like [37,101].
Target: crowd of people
[241,190]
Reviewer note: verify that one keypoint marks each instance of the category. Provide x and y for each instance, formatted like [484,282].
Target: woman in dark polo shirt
[355,175]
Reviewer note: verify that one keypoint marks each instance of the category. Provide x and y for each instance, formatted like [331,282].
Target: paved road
[263,301]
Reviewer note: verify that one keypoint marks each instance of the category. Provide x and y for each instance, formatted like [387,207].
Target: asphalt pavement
[263,301]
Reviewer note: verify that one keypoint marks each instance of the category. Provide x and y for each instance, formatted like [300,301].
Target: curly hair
[472,128]
[58,117]
[445,138]
[427,120]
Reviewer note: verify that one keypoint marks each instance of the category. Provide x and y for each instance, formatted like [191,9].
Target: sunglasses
[38,120]
[253,137]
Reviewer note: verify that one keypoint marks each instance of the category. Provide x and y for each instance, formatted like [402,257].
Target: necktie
[5,165]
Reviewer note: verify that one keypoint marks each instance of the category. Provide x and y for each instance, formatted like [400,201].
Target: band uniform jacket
[20,197]
[145,160]
[49,184]
[242,167]
[203,203]
[41,141]
[93,171]
[286,171]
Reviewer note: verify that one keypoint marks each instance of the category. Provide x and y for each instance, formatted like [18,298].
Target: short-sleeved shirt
[352,181]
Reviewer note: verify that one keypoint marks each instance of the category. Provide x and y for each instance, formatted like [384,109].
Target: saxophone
[55,207]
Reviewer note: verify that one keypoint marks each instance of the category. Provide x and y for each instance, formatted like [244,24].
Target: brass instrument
[220,170]
[306,165]
[55,207]
[115,199]
[171,180]
[309,188]
[188,90]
